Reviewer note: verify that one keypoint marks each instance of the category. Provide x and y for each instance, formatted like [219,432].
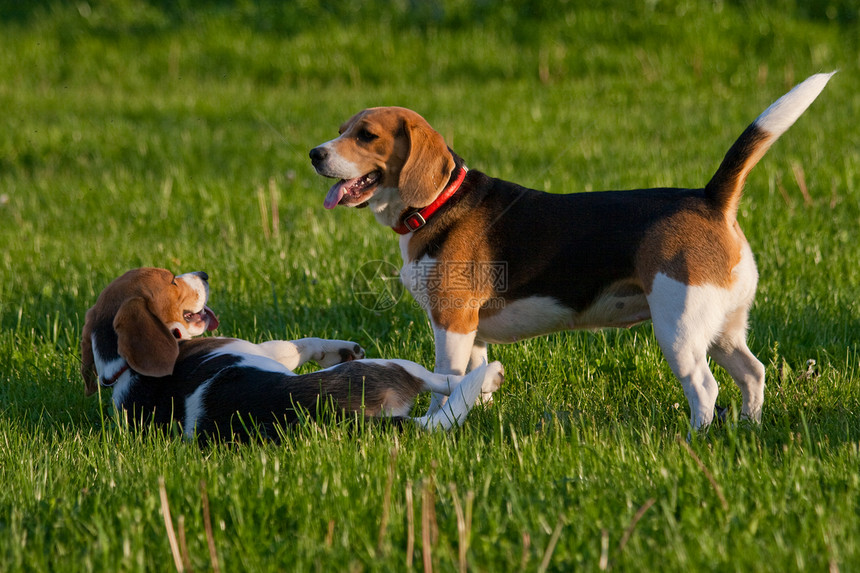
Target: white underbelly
[537,315]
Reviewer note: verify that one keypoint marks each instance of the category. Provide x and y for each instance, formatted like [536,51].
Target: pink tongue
[335,194]
[213,320]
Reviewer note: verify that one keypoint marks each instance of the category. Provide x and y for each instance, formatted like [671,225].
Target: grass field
[176,134]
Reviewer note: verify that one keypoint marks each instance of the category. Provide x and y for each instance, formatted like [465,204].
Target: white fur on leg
[453,351]
[478,357]
[326,353]
[487,377]
[731,352]
[748,373]
[686,321]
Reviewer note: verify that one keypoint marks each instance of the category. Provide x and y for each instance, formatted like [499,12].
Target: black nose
[202,275]
[318,154]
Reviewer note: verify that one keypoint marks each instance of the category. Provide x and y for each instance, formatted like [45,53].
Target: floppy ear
[143,340]
[427,167]
[88,363]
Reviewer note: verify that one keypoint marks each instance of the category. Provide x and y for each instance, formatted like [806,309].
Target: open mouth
[351,192]
[200,321]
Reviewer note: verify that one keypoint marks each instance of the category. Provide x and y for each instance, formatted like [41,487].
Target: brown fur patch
[692,247]
[358,385]
[725,188]
[461,281]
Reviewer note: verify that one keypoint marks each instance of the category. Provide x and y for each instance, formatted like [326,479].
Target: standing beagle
[493,262]
[137,340]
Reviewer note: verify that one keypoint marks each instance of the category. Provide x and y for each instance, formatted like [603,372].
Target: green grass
[145,133]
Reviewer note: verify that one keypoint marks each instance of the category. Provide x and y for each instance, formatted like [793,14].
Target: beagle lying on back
[137,340]
[493,262]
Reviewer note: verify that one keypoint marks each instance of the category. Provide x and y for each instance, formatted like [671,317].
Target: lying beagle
[137,339]
[493,262]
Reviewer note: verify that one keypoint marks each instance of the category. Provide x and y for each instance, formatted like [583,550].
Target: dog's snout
[203,276]
[318,154]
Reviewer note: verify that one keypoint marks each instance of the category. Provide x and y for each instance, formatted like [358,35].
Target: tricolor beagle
[493,262]
[137,339]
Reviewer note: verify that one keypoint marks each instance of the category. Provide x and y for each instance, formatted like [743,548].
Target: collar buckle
[414,221]
[418,218]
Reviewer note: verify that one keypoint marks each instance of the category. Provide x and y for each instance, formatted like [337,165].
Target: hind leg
[731,352]
[686,319]
[447,384]
[484,379]
[462,391]
[476,359]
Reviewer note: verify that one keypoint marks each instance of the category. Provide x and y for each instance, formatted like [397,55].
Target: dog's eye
[366,136]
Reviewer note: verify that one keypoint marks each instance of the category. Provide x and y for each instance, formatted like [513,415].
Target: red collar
[112,380]
[419,217]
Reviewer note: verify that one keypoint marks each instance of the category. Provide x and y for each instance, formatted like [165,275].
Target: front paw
[339,351]
[353,352]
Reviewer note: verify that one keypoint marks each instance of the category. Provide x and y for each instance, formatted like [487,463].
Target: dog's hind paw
[493,380]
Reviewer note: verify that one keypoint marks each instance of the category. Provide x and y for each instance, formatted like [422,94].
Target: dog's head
[139,318]
[384,148]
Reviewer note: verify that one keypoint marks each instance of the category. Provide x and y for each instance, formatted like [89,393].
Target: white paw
[493,380]
[338,351]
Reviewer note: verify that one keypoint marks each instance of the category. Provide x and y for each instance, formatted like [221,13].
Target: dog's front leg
[293,354]
[453,351]
[478,355]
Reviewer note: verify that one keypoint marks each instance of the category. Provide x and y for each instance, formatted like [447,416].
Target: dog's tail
[724,189]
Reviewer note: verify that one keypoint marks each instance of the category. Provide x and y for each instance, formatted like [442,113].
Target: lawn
[176,134]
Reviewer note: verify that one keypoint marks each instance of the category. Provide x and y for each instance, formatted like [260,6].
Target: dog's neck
[387,206]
